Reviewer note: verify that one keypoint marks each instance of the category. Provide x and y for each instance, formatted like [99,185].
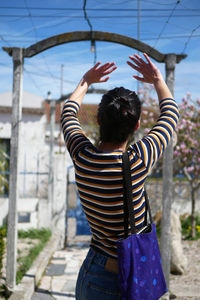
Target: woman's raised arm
[94,75]
[151,74]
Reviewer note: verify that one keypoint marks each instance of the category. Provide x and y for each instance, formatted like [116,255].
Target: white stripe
[99,162]
[114,153]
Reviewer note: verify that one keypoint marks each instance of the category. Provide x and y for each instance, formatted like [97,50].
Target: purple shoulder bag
[140,270]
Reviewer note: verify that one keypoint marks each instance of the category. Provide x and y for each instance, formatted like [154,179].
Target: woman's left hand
[97,73]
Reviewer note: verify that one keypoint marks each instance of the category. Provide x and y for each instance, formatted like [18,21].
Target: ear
[137,125]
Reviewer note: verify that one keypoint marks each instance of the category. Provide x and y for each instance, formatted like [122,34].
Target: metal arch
[90,91]
[77,36]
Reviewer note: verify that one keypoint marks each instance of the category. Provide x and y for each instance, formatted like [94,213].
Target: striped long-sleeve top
[99,174]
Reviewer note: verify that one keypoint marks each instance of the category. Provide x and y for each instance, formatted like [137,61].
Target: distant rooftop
[28,100]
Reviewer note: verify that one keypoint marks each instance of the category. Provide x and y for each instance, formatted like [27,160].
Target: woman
[99,169]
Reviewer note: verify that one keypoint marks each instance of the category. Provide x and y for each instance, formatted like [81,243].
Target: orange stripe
[118,211]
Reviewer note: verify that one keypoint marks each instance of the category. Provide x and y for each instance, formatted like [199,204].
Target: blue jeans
[95,283]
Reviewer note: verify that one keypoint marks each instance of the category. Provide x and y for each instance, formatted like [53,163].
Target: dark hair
[118,114]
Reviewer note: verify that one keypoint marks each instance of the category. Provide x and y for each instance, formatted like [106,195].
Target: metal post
[51,158]
[61,80]
[17,54]
[167,182]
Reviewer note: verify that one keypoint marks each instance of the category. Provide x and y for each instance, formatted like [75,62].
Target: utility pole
[18,60]
[61,94]
[61,80]
[51,157]
[167,196]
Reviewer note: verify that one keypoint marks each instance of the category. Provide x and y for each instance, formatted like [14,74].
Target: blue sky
[169,26]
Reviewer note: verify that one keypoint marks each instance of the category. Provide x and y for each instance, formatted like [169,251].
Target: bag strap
[148,209]
[129,217]
[128,195]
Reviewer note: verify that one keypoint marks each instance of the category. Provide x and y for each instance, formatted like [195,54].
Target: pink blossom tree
[187,149]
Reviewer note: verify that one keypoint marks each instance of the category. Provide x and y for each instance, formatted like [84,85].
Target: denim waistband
[97,257]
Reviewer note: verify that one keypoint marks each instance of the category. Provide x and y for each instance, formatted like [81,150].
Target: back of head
[118,114]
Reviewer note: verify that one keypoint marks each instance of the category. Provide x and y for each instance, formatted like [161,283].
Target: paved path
[60,277]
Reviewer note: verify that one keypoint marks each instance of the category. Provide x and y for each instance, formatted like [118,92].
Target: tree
[187,149]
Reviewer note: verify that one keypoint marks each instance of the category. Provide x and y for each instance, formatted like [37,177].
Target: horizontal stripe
[99,174]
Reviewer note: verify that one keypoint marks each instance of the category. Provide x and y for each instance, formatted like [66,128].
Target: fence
[33,181]
[181,198]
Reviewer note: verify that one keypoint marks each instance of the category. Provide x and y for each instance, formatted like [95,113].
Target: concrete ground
[60,277]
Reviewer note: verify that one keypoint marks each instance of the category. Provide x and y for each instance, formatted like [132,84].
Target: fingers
[107,66]
[104,79]
[110,70]
[133,66]
[147,58]
[97,64]
[139,78]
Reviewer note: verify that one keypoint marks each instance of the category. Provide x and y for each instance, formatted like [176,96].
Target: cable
[100,9]
[166,23]
[30,16]
[7,43]
[5,65]
[98,17]
[93,44]
[86,17]
[36,39]
[34,83]
[46,76]
[158,3]
[189,38]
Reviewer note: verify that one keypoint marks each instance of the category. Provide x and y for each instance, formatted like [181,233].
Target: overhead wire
[46,76]
[189,38]
[98,9]
[5,41]
[98,16]
[34,83]
[93,44]
[166,23]
[36,39]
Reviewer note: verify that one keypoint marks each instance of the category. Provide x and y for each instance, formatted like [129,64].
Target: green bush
[25,262]
[2,246]
[186,227]
[43,235]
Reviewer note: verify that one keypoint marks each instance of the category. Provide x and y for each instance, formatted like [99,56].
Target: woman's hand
[97,73]
[151,74]
[94,75]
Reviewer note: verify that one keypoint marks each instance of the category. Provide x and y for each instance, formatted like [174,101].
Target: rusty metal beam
[77,36]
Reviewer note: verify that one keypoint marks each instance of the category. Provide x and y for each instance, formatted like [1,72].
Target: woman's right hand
[151,74]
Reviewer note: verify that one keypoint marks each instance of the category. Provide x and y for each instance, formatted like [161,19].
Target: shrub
[2,246]
[186,227]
